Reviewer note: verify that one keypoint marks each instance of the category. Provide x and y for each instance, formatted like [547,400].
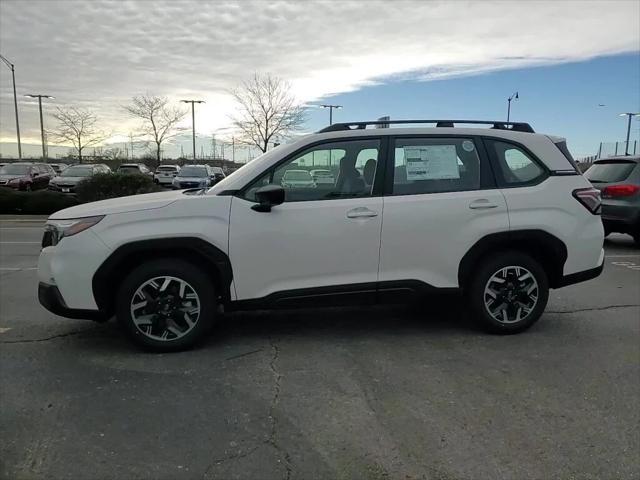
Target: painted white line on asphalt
[16,269]
[4,329]
[39,227]
[17,243]
[621,256]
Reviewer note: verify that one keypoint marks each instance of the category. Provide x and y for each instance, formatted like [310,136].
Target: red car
[26,176]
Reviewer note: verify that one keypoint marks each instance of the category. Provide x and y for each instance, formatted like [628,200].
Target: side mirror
[268,196]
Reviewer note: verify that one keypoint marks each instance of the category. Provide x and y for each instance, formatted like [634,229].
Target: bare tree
[78,126]
[114,153]
[159,119]
[268,110]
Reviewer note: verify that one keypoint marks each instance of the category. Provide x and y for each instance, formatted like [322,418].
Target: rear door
[440,199]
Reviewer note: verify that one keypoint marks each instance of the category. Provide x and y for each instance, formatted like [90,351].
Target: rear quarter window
[609,171]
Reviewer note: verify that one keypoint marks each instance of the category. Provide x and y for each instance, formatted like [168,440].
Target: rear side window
[435,165]
[515,167]
[609,171]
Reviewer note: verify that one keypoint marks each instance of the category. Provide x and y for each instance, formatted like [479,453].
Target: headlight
[15,180]
[58,229]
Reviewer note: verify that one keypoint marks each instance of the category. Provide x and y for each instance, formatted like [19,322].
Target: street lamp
[630,115]
[193,122]
[40,97]
[15,102]
[331,107]
[512,97]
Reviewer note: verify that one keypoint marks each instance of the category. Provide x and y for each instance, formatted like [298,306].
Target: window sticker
[431,162]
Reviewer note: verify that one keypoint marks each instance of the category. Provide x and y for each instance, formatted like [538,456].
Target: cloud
[98,54]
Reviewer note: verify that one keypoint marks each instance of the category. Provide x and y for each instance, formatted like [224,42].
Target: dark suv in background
[618,179]
[26,176]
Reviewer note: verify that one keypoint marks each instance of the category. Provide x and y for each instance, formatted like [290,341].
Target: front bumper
[50,298]
[62,188]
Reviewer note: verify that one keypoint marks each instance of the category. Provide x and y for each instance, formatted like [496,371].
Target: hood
[68,180]
[12,177]
[191,179]
[147,201]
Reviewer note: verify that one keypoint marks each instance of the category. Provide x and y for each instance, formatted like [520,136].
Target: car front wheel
[508,293]
[166,305]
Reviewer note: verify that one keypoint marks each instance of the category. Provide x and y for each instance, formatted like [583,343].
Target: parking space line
[16,269]
[621,256]
[17,243]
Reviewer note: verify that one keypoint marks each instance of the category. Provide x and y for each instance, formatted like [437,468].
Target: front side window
[515,166]
[344,169]
[435,165]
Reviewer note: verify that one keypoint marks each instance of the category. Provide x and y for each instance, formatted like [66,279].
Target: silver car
[618,179]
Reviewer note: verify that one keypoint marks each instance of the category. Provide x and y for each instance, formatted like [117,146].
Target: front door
[325,237]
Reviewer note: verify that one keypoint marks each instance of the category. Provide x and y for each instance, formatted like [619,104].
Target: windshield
[77,172]
[608,172]
[193,172]
[15,170]
[128,169]
[297,175]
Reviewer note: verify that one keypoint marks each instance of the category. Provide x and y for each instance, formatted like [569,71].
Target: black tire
[489,267]
[197,281]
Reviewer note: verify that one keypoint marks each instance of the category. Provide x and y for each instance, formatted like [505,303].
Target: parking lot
[377,393]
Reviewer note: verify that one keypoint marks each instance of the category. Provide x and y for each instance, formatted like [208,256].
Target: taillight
[620,191]
[590,198]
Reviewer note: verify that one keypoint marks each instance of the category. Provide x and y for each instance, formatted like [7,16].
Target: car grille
[4,182]
[189,184]
[50,236]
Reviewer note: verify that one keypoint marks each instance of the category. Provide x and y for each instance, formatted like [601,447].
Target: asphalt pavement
[362,393]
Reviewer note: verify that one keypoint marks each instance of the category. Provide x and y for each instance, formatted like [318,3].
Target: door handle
[361,212]
[482,204]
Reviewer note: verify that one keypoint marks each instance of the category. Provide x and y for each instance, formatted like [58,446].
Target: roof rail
[497,124]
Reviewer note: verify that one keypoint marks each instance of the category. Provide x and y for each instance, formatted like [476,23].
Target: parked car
[618,179]
[297,179]
[165,174]
[135,169]
[67,181]
[517,220]
[26,176]
[193,176]
[58,167]
[218,174]
[321,177]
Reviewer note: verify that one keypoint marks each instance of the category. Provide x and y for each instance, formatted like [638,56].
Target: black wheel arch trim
[129,255]
[543,246]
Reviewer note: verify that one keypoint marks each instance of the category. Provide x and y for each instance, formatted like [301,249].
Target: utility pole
[131,143]
[233,149]
[193,122]
[15,102]
[630,115]
[40,97]
[512,97]
[331,107]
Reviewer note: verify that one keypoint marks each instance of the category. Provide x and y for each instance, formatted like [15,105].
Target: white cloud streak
[97,54]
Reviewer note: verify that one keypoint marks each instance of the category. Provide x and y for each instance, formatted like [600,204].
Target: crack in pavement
[272,417]
[234,456]
[593,309]
[46,339]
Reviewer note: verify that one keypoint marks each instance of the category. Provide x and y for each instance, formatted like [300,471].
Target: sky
[406,59]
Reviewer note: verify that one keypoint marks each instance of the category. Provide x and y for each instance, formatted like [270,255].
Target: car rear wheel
[508,293]
[166,305]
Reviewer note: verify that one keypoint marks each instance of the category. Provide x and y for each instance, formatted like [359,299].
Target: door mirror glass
[268,196]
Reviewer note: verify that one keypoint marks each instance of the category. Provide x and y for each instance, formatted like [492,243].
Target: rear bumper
[620,214]
[50,298]
[579,277]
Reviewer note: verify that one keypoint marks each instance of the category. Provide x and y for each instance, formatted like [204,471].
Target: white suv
[499,214]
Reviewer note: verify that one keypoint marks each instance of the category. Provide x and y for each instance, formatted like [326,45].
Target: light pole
[15,102]
[193,122]
[331,107]
[40,97]
[512,97]
[630,115]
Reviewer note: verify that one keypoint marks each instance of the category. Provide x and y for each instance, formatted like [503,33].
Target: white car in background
[322,177]
[165,174]
[297,179]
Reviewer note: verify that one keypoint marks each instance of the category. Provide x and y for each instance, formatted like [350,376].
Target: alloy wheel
[511,294]
[165,308]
